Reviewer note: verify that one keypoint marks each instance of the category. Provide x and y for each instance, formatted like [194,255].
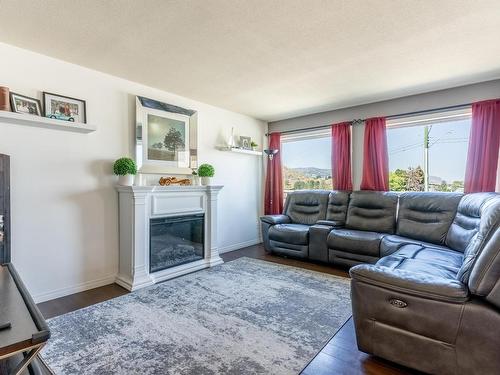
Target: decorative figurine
[166,181]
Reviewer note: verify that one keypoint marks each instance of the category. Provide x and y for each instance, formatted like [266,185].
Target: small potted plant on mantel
[125,169]
[206,172]
[254,145]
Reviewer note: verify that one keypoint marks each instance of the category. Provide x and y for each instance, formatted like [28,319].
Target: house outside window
[428,152]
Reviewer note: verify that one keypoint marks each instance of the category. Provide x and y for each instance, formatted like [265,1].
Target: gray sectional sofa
[426,278]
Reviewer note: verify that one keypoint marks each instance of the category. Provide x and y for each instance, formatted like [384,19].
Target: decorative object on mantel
[64,108]
[4,99]
[125,169]
[196,178]
[254,145]
[206,172]
[167,181]
[25,105]
[166,137]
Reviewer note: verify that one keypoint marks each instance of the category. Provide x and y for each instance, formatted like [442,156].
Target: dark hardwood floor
[339,356]
[78,301]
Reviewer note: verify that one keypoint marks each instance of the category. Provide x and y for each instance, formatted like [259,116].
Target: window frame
[301,136]
[433,117]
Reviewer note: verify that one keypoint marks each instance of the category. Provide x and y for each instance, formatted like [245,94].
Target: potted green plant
[206,172]
[125,169]
[254,145]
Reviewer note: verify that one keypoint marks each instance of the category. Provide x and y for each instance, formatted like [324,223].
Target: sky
[307,153]
[447,152]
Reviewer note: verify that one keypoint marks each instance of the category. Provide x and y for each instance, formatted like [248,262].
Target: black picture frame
[84,104]
[13,106]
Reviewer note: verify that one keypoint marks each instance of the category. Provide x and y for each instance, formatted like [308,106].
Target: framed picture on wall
[25,104]
[64,108]
[165,137]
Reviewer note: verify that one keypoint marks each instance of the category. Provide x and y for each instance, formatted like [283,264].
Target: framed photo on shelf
[25,104]
[246,143]
[64,108]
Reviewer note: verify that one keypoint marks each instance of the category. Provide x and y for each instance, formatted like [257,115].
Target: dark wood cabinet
[23,330]
[4,209]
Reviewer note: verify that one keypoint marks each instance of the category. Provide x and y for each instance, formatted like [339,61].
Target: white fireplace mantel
[139,204]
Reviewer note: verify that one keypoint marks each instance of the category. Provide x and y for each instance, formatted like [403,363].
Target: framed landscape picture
[164,139]
[167,136]
[64,108]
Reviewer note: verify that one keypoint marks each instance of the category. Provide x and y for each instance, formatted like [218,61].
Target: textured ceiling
[270,59]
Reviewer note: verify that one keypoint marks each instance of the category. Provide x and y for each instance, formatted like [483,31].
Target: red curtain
[484,142]
[273,198]
[375,157]
[341,156]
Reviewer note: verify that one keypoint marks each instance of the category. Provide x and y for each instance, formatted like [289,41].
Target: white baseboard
[240,245]
[112,278]
[74,289]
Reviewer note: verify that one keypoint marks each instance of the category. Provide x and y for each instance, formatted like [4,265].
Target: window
[306,160]
[428,152]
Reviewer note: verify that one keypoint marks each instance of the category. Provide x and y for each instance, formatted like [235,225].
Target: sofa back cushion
[306,206]
[427,216]
[372,211]
[481,265]
[466,223]
[338,202]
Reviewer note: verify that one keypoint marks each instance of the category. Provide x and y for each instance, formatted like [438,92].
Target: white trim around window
[430,118]
[308,134]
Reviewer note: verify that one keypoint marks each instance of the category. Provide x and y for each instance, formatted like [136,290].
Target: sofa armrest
[318,247]
[417,284]
[331,223]
[275,219]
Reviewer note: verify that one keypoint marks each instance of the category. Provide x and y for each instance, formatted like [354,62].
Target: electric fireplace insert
[175,241]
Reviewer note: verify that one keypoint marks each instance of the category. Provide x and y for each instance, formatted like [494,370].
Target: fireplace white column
[139,204]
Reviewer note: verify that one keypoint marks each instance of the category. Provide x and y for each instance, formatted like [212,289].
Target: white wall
[427,101]
[64,206]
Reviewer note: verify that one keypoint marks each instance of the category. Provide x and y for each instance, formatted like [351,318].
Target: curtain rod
[360,121]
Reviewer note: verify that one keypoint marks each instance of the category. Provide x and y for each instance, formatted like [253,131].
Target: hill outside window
[306,159]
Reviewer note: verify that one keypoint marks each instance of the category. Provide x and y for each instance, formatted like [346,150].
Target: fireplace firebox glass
[175,241]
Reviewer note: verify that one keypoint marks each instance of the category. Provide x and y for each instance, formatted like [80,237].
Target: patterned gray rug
[243,317]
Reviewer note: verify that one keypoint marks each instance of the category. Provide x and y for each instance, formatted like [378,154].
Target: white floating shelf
[241,151]
[45,122]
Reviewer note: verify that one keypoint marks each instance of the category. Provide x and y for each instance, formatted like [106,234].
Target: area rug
[243,317]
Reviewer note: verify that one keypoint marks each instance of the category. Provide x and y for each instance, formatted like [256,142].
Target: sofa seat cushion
[432,255]
[297,234]
[355,241]
[409,276]
[392,243]
[427,269]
